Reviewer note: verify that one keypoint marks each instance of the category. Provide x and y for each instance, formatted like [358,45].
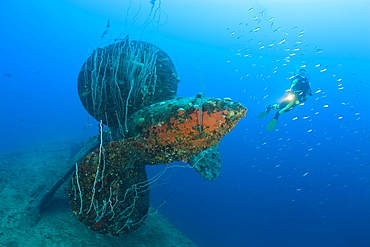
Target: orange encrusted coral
[195,129]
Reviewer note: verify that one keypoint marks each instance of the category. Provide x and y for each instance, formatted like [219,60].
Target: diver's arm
[293,83]
[309,90]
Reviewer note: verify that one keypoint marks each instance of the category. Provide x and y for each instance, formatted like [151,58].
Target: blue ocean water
[304,184]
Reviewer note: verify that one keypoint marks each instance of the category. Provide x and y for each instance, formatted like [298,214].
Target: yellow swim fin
[272,124]
[263,114]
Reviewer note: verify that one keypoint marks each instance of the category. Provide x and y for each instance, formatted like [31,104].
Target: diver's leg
[287,107]
[268,109]
[275,106]
[284,108]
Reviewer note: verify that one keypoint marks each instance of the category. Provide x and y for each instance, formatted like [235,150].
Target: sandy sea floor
[26,172]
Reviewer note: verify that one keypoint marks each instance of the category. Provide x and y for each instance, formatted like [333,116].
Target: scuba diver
[299,91]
